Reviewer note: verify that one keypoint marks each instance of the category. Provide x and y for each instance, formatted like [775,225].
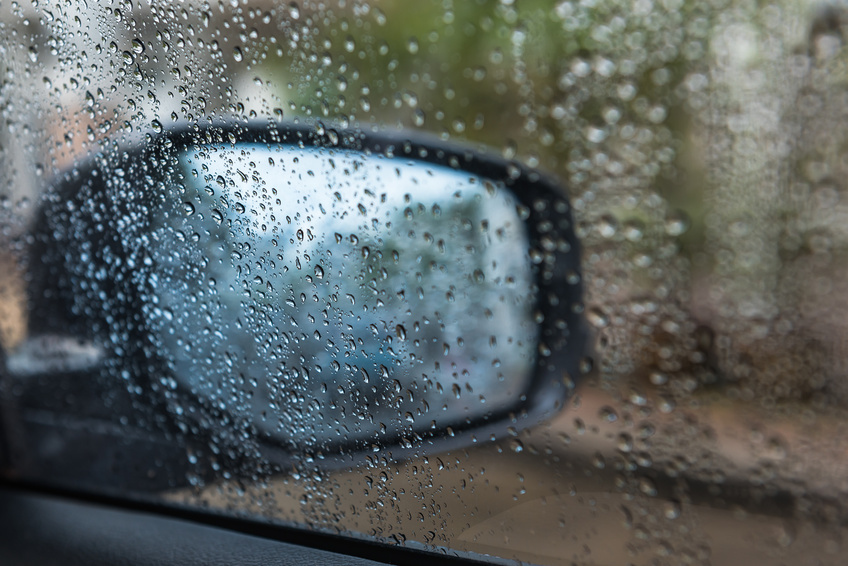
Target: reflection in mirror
[326,297]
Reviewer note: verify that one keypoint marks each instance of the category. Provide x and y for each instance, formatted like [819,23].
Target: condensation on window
[701,147]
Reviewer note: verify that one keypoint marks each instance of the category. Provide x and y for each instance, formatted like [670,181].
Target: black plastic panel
[47,530]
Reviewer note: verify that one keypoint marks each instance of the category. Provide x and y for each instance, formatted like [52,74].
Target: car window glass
[701,149]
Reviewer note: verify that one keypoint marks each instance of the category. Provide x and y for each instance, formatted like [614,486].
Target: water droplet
[597,318]
[676,224]
[607,226]
[579,426]
[658,378]
[671,509]
[647,487]
[599,461]
[776,448]
[633,231]
[608,414]
[667,405]
[595,135]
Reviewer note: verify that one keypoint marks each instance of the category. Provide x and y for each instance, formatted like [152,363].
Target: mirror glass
[328,297]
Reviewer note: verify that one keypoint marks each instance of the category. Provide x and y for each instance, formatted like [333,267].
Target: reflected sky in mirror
[326,296]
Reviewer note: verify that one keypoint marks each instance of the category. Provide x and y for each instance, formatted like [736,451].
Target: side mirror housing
[267,293]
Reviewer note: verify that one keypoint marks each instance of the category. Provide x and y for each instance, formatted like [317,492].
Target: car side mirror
[285,289]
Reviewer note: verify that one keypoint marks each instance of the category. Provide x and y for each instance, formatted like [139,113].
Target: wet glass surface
[701,147]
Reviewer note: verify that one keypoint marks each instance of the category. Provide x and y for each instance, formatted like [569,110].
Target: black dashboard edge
[52,525]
